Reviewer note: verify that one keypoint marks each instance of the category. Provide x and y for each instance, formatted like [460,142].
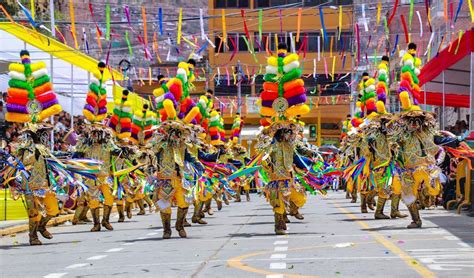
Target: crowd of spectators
[459,128]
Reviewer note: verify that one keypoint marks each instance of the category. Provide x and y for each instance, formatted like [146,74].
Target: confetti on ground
[344,245]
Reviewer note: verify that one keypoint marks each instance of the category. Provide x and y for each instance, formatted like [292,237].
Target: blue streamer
[395,46]
[321,17]
[458,10]
[203,47]
[28,15]
[160,20]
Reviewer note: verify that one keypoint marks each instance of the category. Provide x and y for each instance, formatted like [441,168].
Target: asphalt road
[334,240]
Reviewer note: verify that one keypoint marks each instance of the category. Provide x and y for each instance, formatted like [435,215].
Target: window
[221,88]
[262,3]
[231,3]
[275,3]
[230,46]
[242,46]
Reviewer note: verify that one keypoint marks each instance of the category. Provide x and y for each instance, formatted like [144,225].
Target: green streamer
[250,48]
[412,3]
[386,26]
[107,21]
[260,16]
[130,51]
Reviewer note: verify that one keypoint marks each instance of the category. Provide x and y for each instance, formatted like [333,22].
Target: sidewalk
[10,227]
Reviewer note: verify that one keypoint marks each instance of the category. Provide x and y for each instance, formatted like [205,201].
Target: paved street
[334,240]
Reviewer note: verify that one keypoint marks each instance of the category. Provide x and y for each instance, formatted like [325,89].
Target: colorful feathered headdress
[409,91]
[382,87]
[95,109]
[236,129]
[31,98]
[142,124]
[284,94]
[216,128]
[121,120]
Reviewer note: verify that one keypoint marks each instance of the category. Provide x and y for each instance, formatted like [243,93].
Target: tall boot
[415,216]
[247,195]
[149,203]
[33,232]
[141,206]
[218,200]
[96,218]
[166,221]
[348,194]
[379,210]
[394,213]
[197,215]
[294,211]
[285,217]
[180,221]
[237,194]
[106,218]
[354,195]
[280,225]
[363,203]
[42,227]
[77,216]
[207,207]
[128,209]
[121,213]
[83,216]
[370,200]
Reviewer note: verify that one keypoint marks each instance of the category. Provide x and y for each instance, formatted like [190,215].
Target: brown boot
[77,216]
[96,218]
[166,221]
[294,211]
[237,196]
[394,213]
[379,210]
[363,203]
[370,201]
[280,225]
[42,227]
[121,213]
[141,206]
[33,229]
[149,203]
[354,195]
[415,216]
[197,214]
[219,205]
[128,209]
[285,218]
[208,208]
[106,218]
[186,223]
[247,195]
[180,221]
[83,216]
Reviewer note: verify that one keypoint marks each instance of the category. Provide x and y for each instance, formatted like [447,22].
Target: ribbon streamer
[95,22]
[180,23]
[458,10]
[107,21]
[130,51]
[333,67]
[227,74]
[394,11]
[340,22]
[364,19]
[404,24]
[421,23]
[395,46]
[314,68]
[471,10]
[445,10]
[260,18]
[73,23]
[358,42]
[201,24]
[28,15]
[127,15]
[325,67]
[224,32]
[242,13]
[298,25]
[150,81]
[32,9]
[155,47]
[428,14]
[429,42]
[321,17]
[410,16]
[319,48]
[145,32]
[160,20]
[461,33]
[379,10]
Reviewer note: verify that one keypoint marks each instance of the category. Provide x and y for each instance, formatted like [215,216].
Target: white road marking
[451,238]
[55,275]
[281,248]
[278,256]
[76,266]
[141,238]
[463,244]
[114,250]
[280,242]
[95,258]
[151,234]
[277,265]
[128,243]
[344,245]
[275,276]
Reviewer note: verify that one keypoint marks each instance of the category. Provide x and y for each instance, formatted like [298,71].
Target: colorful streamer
[160,20]
[32,9]
[410,16]
[107,21]
[461,33]
[127,15]
[201,25]
[358,42]
[395,46]
[421,23]
[458,10]
[73,22]
[428,14]
[379,10]
[321,17]
[260,19]
[340,22]
[180,23]
[333,67]
[394,11]
[145,31]
[404,24]
[471,10]
[224,32]
[298,25]
[127,39]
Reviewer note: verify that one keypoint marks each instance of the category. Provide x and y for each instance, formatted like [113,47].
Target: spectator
[2,113]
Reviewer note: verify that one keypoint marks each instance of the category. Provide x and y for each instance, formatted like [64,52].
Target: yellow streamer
[333,67]
[461,33]
[149,76]
[180,22]
[189,42]
[470,9]
[276,42]
[298,26]
[340,22]
[224,32]
[32,7]
[145,32]
[73,23]
[379,10]
[330,46]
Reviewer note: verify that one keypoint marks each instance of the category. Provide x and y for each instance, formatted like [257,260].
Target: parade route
[334,240]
